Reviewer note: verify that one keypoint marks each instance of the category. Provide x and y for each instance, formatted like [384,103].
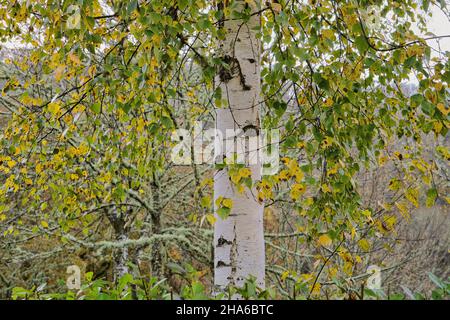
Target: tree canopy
[95,88]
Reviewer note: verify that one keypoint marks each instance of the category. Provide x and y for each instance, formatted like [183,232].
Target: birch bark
[239,240]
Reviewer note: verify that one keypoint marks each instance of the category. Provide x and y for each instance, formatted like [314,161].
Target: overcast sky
[439,25]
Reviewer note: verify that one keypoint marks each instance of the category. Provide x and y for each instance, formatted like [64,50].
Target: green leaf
[428,108]
[431,197]
[126,107]
[397,296]
[167,122]
[124,280]
[132,6]
[223,212]
[96,107]
[417,98]
[88,276]
[279,108]
[410,61]
[321,82]
[361,44]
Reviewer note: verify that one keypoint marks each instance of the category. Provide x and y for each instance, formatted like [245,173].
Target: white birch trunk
[239,240]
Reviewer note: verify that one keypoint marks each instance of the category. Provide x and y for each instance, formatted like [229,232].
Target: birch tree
[238,233]
[88,111]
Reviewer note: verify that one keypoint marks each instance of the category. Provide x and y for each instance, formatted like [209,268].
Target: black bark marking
[220,264]
[233,70]
[222,241]
[251,127]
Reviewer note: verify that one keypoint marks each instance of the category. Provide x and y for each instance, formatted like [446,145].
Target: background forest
[92,91]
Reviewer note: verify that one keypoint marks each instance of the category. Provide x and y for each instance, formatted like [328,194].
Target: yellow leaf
[403,209]
[140,125]
[325,188]
[11,163]
[307,277]
[82,149]
[293,166]
[156,38]
[284,175]
[389,222]
[245,172]
[92,70]
[54,108]
[382,160]
[276,7]
[227,202]
[437,126]
[366,213]
[443,109]
[44,224]
[394,184]
[309,201]
[72,57]
[328,34]
[205,201]
[348,268]
[364,244]
[332,272]
[398,155]
[235,178]
[325,240]
[297,190]
[413,195]
[219,201]
[261,196]
[211,219]
[332,171]
[59,72]
[328,102]
[327,142]
[316,290]
[353,233]
[299,176]
[300,144]
[285,160]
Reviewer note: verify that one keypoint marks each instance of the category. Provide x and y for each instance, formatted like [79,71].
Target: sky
[439,25]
